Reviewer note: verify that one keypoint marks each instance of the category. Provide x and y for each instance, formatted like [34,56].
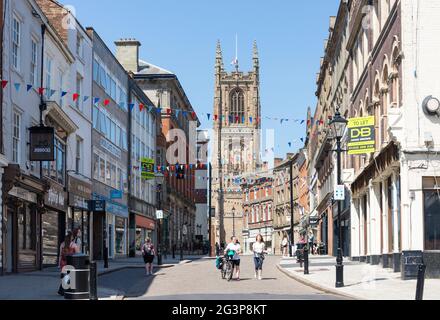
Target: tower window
[237,105]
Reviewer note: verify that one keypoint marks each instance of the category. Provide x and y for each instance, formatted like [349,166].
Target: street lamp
[338,125]
[159,181]
[233,221]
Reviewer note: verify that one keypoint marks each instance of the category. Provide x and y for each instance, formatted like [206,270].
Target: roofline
[168,77]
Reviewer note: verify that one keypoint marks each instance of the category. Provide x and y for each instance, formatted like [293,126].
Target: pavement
[362,281]
[43,285]
[200,280]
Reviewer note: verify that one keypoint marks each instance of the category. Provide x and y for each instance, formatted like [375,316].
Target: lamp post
[159,216]
[338,125]
[233,221]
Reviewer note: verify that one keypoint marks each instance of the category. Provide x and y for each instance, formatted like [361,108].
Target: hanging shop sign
[361,135]
[147,168]
[42,144]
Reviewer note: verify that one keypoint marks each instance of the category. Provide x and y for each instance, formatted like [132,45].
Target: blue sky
[181,36]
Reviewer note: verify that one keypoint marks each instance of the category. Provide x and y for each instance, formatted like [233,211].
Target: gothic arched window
[237,105]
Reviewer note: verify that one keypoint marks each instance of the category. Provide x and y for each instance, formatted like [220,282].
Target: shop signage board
[42,144]
[115,194]
[147,166]
[97,205]
[159,214]
[361,136]
[339,193]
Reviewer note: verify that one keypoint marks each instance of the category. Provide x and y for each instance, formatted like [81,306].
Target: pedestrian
[259,249]
[284,245]
[68,247]
[311,241]
[148,253]
[77,238]
[235,247]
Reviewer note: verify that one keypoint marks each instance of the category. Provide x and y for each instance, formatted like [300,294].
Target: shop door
[98,239]
[25,240]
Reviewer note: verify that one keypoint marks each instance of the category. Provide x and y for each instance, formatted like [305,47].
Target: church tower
[236,141]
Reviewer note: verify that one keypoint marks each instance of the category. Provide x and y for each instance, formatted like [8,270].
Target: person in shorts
[148,254]
[234,246]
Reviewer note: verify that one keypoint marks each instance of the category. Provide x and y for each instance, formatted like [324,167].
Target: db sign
[362,136]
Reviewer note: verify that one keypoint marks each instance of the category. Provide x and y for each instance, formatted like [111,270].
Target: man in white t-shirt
[236,248]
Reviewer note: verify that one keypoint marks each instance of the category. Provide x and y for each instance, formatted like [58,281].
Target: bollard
[306,260]
[174,252]
[420,282]
[93,281]
[181,253]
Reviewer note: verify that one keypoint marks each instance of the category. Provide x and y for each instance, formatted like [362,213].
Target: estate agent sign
[361,135]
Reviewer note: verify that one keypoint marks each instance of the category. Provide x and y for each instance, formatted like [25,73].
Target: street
[201,280]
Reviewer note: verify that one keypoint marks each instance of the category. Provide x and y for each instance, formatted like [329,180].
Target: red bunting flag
[40,91]
[106,102]
[168,111]
[236,119]
[193,114]
[75,96]
[172,168]
[141,107]
[215,117]
[186,167]
[4,83]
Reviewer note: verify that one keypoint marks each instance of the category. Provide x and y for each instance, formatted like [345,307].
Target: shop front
[23,198]
[110,227]
[144,229]
[78,215]
[53,223]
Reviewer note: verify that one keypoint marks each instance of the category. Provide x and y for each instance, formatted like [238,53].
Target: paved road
[200,280]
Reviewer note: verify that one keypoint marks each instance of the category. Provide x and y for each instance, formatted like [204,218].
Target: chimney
[127,53]
[278,161]
[289,155]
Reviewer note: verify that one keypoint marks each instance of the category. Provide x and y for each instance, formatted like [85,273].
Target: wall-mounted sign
[97,205]
[110,147]
[159,214]
[147,168]
[313,221]
[361,135]
[115,194]
[42,144]
[56,197]
[339,194]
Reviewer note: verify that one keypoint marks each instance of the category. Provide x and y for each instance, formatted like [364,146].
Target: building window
[16,138]
[55,170]
[34,63]
[79,81]
[48,77]
[79,45]
[237,105]
[79,152]
[95,166]
[16,36]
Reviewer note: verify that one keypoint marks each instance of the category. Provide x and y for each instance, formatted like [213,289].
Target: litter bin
[76,282]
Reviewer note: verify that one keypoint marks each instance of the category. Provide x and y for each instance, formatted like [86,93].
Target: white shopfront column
[355,229]
[395,214]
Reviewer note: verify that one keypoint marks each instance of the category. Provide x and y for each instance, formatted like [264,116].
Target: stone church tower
[236,141]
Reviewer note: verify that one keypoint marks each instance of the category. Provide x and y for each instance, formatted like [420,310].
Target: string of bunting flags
[169,111]
[105,102]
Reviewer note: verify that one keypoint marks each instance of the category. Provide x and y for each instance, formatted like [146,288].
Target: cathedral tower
[237,115]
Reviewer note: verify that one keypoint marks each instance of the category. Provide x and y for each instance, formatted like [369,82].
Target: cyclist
[235,247]
[259,249]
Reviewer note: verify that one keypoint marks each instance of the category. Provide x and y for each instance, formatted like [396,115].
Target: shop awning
[144,222]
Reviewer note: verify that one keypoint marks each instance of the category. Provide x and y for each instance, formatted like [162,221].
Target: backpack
[147,250]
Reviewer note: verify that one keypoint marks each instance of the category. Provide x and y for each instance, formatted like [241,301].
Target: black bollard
[174,251]
[306,260]
[420,282]
[93,281]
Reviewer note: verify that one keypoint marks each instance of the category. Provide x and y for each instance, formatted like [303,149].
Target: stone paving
[43,285]
[362,281]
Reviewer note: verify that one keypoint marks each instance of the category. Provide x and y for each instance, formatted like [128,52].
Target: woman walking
[68,247]
[259,249]
[284,245]
[148,253]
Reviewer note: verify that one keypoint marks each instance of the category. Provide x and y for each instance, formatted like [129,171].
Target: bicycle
[228,266]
